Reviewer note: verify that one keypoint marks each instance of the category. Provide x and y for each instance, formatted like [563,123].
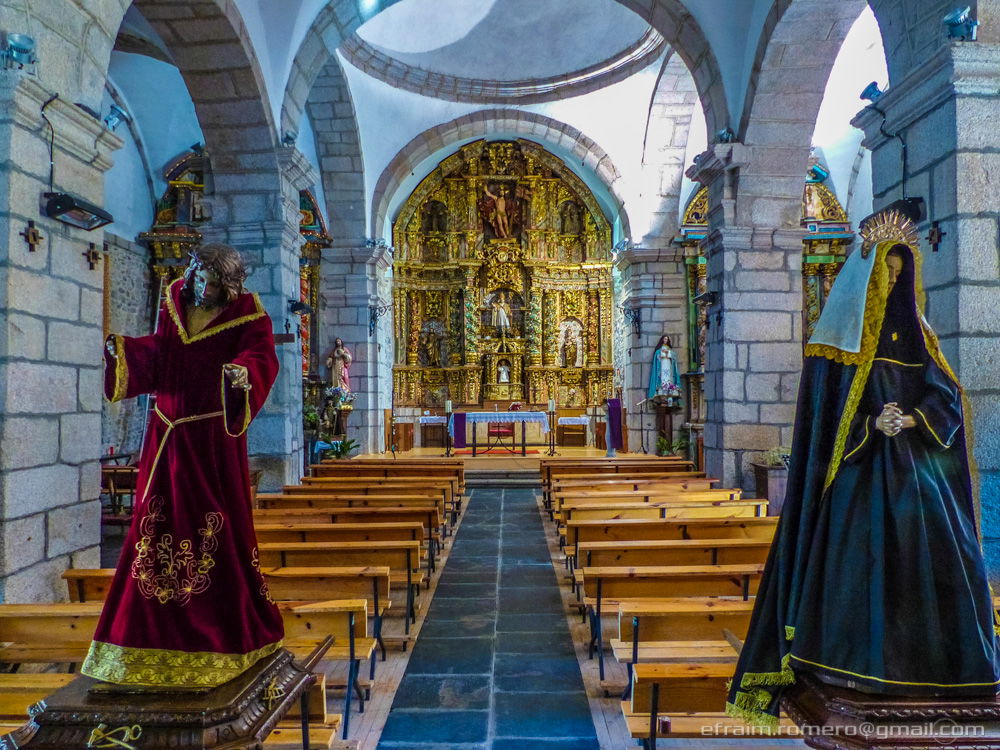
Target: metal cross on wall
[93,257]
[32,236]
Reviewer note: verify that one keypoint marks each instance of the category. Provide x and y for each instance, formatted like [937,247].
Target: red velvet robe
[188,606]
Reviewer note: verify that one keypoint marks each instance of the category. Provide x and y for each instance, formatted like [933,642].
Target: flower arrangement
[340,397]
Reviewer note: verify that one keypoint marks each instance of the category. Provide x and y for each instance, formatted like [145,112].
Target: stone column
[271,250]
[50,345]
[354,278]
[946,111]
[653,282]
[754,348]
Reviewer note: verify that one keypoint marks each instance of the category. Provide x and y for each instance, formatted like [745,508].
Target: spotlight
[961,25]
[115,117]
[297,307]
[69,209]
[18,50]
[726,135]
[289,138]
[817,173]
[872,92]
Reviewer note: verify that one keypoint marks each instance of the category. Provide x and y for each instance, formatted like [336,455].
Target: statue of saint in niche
[503,371]
[501,314]
[435,217]
[430,342]
[569,218]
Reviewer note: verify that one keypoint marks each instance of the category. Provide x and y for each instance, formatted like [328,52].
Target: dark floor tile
[513,563]
[555,643]
[420,691]
[430,746]
[452,609]
[456,574]
[518,673]
[546,599]
[526,576]
[525,622]
[436,728]
[448,589]
[451,656]
[462,626]
[577,743]
[542,715]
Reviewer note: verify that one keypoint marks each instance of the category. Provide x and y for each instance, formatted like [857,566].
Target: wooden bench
[448,490]
[391,470]
[402,559]
[58,633]
[636,529]
[610,586]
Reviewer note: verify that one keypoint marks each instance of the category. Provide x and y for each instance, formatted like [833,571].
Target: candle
[447,406]
[552,404]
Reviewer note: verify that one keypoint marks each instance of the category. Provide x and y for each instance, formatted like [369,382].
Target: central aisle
[494,667]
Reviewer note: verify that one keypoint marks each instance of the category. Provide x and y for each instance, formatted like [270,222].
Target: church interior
[492,239]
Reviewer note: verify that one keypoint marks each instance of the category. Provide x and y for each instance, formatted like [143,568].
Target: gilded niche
[502,283]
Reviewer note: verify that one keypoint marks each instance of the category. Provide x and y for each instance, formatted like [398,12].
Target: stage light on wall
[75,211]
[961,25]
[726,135]
[872,93]
[18,50]
[115,117]
[297,307]
[289,138]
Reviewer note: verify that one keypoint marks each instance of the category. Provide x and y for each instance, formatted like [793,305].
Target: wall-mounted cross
[32,236]
[935,235]
[93,257]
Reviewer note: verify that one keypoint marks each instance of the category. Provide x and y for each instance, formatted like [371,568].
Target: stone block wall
[128,312]
[352,279]
[51,303]
[654,282]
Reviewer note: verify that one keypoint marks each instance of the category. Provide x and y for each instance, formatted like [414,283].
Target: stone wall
[128,312]
[50,346]
[654,282]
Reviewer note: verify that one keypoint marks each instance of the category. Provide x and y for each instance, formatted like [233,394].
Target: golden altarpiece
[502,283]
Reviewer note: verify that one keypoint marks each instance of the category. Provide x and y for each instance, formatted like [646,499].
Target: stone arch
[337,21]
[665,148]
[214,53]
[488,122]
[782,104]
[912,30]
[338,148]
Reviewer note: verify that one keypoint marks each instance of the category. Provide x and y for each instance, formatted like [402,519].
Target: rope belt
[163,440]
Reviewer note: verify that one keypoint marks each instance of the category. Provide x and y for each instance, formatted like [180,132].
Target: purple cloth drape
[615,420]
[459,425]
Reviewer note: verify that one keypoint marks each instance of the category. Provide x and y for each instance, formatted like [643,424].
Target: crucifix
[32,236]
[92,255]
[935,235]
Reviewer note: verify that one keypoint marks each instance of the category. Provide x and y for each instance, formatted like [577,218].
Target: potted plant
[676,447]
[770,471]
[340,448]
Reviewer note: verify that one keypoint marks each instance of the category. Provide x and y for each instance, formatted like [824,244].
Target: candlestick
[447,406]
[552,404]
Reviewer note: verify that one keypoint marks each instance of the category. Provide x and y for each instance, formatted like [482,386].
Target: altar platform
[510,462]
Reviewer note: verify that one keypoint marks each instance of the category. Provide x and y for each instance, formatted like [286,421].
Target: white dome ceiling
[504,40]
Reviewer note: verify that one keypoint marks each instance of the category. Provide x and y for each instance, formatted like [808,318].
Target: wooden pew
[391,470]
[608,587]
[669,509]
[626,529]
[402,559]
[56,633]
[449,490]
[371,583]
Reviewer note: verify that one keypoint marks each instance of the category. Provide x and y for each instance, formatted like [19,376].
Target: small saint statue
[501,314]
[339,361]
[664,380]
[503,371]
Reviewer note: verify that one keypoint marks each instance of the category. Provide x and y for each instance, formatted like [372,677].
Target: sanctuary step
[506,478]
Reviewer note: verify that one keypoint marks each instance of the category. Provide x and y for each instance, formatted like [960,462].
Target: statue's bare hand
[890,421]
[238,377]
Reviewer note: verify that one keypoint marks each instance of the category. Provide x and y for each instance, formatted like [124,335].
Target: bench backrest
[644,582]
[674,552]
[333,532]
[690,619]
[619,530]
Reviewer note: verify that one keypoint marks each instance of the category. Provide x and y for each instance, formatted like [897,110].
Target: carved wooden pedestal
[237,715]
[836,718]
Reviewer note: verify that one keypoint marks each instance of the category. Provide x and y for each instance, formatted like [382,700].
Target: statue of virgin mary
[664,380]
[875,580]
